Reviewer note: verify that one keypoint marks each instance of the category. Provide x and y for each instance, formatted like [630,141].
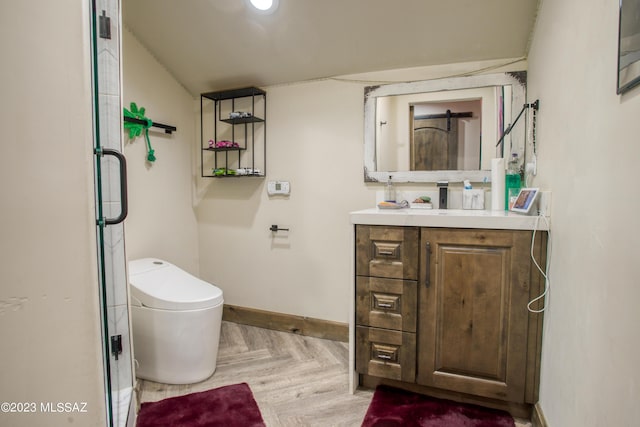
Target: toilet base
[176,347]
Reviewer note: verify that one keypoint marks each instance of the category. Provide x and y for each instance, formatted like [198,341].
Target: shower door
[111,210]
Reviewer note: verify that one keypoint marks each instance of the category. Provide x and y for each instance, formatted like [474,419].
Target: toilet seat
[159,284]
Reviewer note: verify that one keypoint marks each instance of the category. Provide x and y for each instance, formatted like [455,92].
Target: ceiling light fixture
[264,6]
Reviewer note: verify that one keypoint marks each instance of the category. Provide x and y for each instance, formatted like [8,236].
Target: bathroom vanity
[441,301]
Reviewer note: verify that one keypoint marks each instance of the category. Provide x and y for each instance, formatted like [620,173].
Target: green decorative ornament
[136,129]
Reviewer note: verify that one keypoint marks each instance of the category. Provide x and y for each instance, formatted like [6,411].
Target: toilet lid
[159,284]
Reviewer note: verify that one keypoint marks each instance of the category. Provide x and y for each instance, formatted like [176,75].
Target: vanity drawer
[386,354]
[383,251]
[386,303]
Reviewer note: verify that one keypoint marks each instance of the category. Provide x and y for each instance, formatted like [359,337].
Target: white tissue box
[473,199]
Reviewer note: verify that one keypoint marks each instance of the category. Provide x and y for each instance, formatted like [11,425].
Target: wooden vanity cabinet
[474,335]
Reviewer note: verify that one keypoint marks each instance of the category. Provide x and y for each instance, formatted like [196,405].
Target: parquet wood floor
[296,380]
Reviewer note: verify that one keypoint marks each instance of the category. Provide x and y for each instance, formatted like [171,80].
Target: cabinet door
[473,292]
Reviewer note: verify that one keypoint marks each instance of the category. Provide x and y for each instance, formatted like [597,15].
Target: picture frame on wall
[628,45]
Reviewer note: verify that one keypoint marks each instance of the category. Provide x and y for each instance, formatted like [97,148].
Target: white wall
[588,156]
[49,303]
[161,221]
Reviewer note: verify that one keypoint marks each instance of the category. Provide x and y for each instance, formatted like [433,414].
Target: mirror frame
[517,81]
[628,71]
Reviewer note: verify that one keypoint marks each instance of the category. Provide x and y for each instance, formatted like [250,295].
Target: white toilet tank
[176,321]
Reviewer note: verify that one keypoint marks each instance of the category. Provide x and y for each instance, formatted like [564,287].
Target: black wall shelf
[242,120]
[234,93]
[248,159]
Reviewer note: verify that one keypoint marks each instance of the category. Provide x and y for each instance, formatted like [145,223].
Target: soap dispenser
[389,191]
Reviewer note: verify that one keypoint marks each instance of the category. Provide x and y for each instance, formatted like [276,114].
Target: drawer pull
[385,302]
[427,280]
[384,352]
[386,250]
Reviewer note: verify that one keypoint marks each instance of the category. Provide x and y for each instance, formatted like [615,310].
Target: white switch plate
[278,187]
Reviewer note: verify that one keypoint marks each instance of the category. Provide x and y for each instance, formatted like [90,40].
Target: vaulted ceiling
[221,44]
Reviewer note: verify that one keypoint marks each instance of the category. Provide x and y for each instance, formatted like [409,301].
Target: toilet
[175,322]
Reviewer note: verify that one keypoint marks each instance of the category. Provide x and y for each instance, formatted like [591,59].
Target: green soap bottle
[512,182]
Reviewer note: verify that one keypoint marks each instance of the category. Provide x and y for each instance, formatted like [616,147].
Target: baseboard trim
[537,417]
[287,323]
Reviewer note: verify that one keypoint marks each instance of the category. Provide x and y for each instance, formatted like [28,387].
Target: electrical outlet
[544,203]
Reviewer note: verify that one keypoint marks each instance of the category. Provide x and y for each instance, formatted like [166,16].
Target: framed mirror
[444,129]
[629,45]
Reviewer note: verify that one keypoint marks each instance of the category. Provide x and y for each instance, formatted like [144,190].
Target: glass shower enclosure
[111,210]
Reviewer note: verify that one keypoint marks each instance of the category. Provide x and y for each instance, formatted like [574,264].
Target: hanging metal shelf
[241,126]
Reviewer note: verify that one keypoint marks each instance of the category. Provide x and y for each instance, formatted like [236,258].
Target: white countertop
[451,218]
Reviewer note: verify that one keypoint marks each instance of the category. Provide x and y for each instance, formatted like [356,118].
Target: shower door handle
[124,205]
